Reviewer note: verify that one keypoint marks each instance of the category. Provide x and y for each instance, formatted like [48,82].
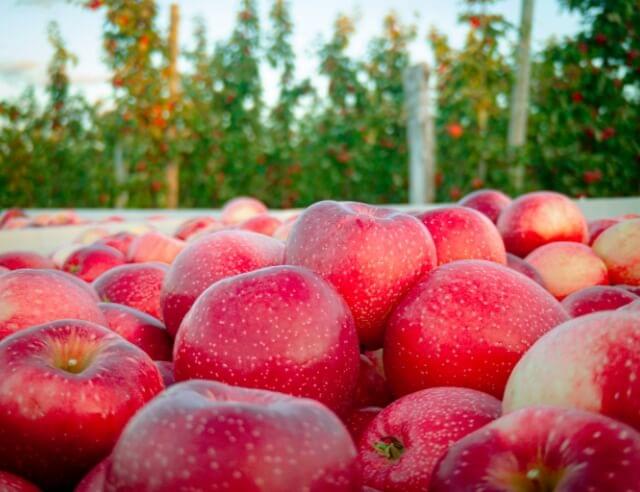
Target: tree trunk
[173,167]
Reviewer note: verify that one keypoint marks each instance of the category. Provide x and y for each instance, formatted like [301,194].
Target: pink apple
[543,449]
[154,246]
[279,328]
[90,262]
[139,328]
[284,229]
[401,446]
[539,218]
[137,286]
[11,213]
[461,233]
[32,297]
[240,209]
[598,298]
[519,265]
[4,270]
[466,324]
[166,371]
[15,260]
[242,439]
[67,388]
[120,241]
[195,225]
[619,248]
[371,255]
[591,362]
[60,254]
[17,223]
[211,258]
[634,289]
[597,227]
[372,388]
[90,236]
[489,202]
[94,480]
[358,420]
[12,483]
[262,224]
[567,267]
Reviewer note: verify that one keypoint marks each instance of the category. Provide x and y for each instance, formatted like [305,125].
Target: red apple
[466,324]
[195,225]
[3,270]
[154,246]
[372,388]
[120,241]
[91,261]
[67,388]
[284,229]
[262,224]
[94,480]
[489,202]
[567,267]
[279,328]
[240,209]
[519,265]
[241,439]
[591,362]
[598,298]
[209,259]
[543,449]
[619,248]
[166,371]
[539,218]
[401,446]
[461,233]
[12,483]
[139,328]
[371,255]
[137,286]
[597,227]
[15,260]
[60,255]
[358,420]
[634,289]
[32,297]
[11,213]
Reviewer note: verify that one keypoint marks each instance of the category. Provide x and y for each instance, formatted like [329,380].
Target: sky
[24,49]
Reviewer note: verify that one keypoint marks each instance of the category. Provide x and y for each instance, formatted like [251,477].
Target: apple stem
[391,448]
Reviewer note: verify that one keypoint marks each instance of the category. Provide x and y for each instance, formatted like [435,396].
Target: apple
[591,362]
[90,236]
[262,224]
[372,388]
[519,265]
[32,297]
[567,267]
[543,449]
[139,328]
[213,257]
[15,260]
[634,289]
[619,248]
[598,298]
[94,480]
[597,227]
[401,446]
[358,420]
[4,270]
[67,388]
[60,254]
[240,209]
[488,202]
[12,483]
[280,328]
[466,324]
[154,246]
[11,213]
[195,225]
[120,241]
[371,255]
[539,218]
[461,233]
[90,262]
[284,229]
[166,371]
[137,286]
[201,433]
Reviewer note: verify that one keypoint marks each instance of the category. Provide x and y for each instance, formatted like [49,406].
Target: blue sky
[24,50]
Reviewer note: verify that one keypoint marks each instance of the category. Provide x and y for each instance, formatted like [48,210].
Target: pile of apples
[489,346]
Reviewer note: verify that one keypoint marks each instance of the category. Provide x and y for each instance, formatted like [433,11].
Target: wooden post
[420,135]
[173,167]
[520,95]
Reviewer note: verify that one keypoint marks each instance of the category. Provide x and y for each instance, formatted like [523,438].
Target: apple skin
[136,285]
[488,202]
[262,224]
[461,233]
[120,241]
[280,328]
[597,227]
[144,331]
[371,389]
[9,214]
[619,248]
[94,480]
[15,260]
[567,267]
[519,265]
[598,298]
[358,420]
[4,270]
[543,448]
[67,388]
[591,362]
[211,258]
[12,483]
[32,297]
[166,371]
[401,446]
[90,262]
[195,225]
[154,246]
[200,433]
[344,242]
[539,218]
[284,229]
[239,209]
[466,324]
[634,289]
